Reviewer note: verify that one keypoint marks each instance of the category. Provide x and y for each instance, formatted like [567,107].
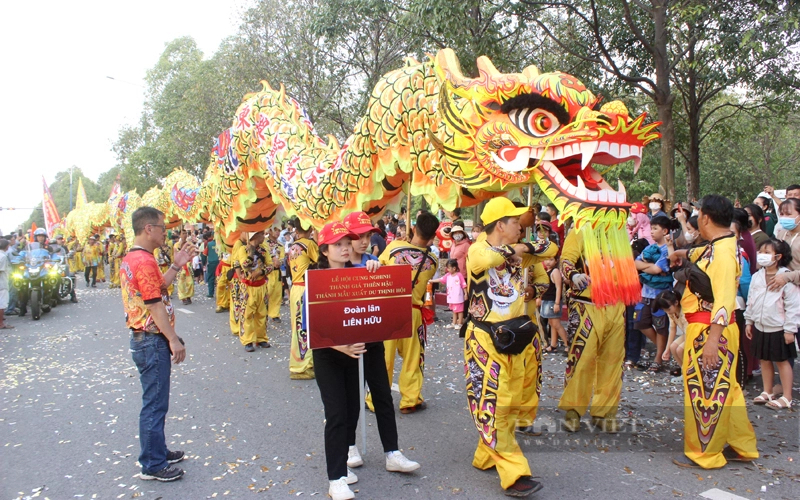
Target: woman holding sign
[337,378]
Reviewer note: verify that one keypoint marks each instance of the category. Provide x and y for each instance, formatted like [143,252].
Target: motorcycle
[37,279]
[63,282]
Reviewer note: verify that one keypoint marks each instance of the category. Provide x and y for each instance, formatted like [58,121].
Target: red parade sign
[352,305]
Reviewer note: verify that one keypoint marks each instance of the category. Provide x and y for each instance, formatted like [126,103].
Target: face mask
[655,206]
[695,213]
[458,236]
[764,259]
[474,235]
[788,223]
[690,237]
[631,221]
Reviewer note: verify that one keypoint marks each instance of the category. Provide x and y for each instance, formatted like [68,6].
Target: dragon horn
[450,68]
[485,66]
[530,72]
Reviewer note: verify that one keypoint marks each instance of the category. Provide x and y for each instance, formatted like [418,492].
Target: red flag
[51,217]
[115,189]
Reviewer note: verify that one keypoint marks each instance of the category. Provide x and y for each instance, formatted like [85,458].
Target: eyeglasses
[163,227]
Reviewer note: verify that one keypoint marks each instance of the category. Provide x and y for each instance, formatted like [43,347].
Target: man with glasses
[154,344]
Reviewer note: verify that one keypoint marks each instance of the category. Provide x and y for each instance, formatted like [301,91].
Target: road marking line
[717,494]
[184,311]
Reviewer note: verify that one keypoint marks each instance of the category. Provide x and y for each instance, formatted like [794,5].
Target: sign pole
[361,397]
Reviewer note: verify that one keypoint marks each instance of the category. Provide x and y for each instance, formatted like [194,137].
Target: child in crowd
[197,266]
[456,284]
[551,304]
[336,371]
[772,319]
[669,302]
[654,273]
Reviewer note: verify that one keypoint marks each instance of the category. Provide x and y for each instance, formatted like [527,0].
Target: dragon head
[503,131]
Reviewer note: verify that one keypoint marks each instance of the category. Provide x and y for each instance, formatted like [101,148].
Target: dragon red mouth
[569,167]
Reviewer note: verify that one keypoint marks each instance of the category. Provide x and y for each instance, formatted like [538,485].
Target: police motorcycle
[37,278]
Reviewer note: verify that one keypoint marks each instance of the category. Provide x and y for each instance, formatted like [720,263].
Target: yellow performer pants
[412,351]
[532,383]
[171,288]
[253,323]
[236,307]
[223,291]
[709,425]
[185,284]
[496,401]
[274,286]
[79,265]
[113,271]
[594,362]
[101,271]
[301,363]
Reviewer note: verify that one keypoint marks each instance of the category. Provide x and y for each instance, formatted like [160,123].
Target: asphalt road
[71,397]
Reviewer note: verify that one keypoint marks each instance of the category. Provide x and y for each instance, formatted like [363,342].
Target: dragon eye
[536,122]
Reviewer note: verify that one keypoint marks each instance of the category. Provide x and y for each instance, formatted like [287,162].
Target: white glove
[580,281]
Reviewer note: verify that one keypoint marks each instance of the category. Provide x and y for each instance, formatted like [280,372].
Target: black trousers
[337,379]
[93,271]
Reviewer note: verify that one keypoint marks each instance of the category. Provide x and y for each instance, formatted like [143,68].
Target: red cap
[359,223]
[333,232]
[638,208]
[545,224]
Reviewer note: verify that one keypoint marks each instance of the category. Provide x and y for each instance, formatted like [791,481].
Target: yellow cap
[500,207]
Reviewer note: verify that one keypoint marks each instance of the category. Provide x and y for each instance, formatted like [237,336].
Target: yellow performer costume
[254,265]
[72,256]
[302,254]
[185,277]
[499,386]
[113,264]
[236,306]
[99,250]
[411,349]
[274,284]
[714,408]
[163,257]
[532,383]
[223,289]
[597,348]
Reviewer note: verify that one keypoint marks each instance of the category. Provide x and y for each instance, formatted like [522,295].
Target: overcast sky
[58,108]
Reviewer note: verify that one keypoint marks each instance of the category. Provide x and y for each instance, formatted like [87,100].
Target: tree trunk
[693,165]
[664,99]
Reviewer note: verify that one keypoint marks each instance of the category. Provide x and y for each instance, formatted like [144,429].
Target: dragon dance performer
[185,278]
[236,305]
[274,282]
[497,370]
[113,261]
[73,253]
[163,255]
[223,288]
[254,264]
[597,348]
[714,408]
[101,263]
[91,259]
[303,252]
[415,253]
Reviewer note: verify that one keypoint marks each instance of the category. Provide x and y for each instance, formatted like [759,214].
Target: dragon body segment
[453,140]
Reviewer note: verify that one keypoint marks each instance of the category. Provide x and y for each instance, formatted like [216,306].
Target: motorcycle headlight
[54,271]
[17,276]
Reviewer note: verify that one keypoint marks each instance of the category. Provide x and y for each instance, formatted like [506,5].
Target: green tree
[60,189]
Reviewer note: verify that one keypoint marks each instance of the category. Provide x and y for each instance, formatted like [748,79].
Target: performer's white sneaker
[354,457]
[351,477]
[338,490]
[397,462]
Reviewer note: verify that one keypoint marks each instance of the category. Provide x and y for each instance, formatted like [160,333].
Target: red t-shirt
[142,283]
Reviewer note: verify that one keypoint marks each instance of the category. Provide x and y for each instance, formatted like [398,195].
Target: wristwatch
[174,267]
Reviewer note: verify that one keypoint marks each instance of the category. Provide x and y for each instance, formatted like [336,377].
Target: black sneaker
[173,457]
[276,320]
[167,474]
[250,347]
[523,487]
[264,345]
